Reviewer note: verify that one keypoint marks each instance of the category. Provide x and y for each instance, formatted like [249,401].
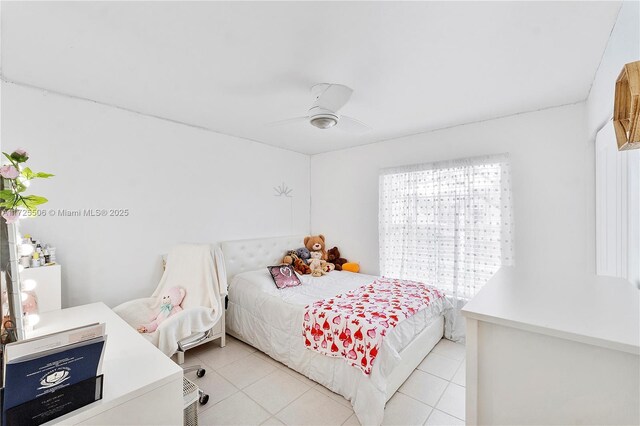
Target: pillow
[284,276]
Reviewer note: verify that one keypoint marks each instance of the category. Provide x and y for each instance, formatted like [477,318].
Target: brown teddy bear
[301,267]
[333,256]
[316,243]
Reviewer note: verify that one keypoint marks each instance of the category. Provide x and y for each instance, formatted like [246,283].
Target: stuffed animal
[351,267]
[303,253]
[316,243]
[333,256]
[317,265]
[301,267]
[298,258]
[170,305]
[289,257]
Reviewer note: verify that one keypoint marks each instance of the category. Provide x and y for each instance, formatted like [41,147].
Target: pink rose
[11,216]
[19,155]
[9,172]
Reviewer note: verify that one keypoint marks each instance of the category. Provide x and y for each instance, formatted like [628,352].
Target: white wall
[180,184]
[623,47]
[548,157]
[618,230]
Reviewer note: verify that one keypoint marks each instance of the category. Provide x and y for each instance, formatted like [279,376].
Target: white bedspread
[271,320]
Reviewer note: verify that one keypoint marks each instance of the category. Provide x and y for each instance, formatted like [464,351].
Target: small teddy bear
[318,266]
[170,305]
[333,256]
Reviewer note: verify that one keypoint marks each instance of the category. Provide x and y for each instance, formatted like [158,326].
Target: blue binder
[56,404]
[29,378]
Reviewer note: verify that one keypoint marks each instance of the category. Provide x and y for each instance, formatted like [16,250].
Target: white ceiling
[232,67]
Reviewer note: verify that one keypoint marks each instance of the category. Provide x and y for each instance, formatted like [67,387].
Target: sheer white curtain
[448,224]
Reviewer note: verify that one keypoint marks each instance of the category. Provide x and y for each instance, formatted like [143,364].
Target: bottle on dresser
[35,260]
[35,253]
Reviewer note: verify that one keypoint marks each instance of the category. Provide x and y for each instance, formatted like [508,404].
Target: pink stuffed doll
[170,305]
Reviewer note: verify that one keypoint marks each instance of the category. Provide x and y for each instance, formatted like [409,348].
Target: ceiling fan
[323,114]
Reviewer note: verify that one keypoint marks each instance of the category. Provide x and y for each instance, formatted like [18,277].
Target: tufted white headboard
[249,255]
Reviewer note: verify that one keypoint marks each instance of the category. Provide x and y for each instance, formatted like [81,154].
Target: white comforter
[271,320]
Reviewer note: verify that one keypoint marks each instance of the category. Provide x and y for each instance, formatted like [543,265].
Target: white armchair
[192,267]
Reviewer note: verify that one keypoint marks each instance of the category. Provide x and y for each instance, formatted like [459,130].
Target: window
[448,224]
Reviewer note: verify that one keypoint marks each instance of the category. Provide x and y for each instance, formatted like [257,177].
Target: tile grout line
[278,366]
[435,407]
[283,408]
[435,375]
[241,390]
[219,402]
[411,397]
[354,414]
[265,408]
[439,399]
[251,383]
[224,365]
[307,391]
[202,363]
[223,377]
[454,374]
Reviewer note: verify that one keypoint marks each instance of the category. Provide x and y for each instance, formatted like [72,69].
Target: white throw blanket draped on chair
[192,267]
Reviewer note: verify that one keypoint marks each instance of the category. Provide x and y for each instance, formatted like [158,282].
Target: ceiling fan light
[324,121]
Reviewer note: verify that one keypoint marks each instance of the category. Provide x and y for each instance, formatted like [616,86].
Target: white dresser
[553,349]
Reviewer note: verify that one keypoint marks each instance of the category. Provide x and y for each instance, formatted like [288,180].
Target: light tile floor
[246,387]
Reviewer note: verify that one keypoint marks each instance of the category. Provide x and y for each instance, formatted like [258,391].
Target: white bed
[271,320]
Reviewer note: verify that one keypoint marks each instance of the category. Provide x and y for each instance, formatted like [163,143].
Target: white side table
[48,286]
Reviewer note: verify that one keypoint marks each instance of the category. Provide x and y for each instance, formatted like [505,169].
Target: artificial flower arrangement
[16,179]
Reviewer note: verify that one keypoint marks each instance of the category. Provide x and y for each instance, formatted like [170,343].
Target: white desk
[553,349]
[141,385]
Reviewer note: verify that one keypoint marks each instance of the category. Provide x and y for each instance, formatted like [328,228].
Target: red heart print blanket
[352,325]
